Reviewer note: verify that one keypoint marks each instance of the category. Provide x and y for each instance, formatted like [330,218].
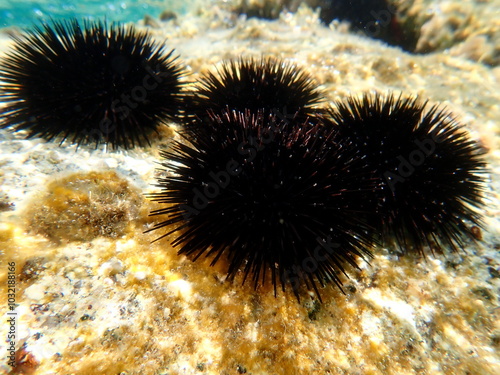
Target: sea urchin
[270,195]
[270,85]
[90,84]
[430,174]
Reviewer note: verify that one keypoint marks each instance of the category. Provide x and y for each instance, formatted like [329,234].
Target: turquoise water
[25,13]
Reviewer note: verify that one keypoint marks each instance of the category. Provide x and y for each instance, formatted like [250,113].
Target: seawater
[24,13]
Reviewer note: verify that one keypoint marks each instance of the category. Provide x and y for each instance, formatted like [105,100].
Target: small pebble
[151,22]
[35,292]
[54,157]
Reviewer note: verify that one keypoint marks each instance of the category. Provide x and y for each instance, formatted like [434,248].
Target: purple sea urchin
[90,84]
[430,174]
[270,195]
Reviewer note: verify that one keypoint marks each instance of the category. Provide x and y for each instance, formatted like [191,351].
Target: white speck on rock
[111,163]
[35,292]
[400,309]
[121,246]
[181,288]
[166,313]
[370,324]
[111,267]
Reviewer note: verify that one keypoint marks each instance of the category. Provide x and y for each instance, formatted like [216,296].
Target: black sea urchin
[270,85]
[271,196]
[90,84]
[377,19]
[430,173]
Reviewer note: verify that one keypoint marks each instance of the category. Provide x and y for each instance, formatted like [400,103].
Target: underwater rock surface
[111,304]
